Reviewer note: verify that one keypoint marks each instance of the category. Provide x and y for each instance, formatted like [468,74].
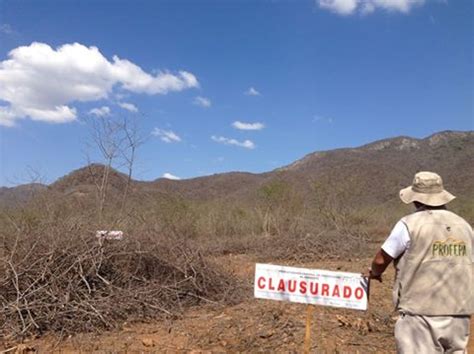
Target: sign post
[307,335]
[311,287]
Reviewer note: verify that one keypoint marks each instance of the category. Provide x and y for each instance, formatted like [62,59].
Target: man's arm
[381,261]
[394,246]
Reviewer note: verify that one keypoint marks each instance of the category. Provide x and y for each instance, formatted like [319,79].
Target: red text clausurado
[305,287]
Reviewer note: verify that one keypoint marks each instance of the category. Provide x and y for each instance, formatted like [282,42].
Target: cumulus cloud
[252,92]
[167,136]
[248,126]
[7,117]
[342,7]
[170,176]
[41,82]
[348,7]
[100,112]
[128,106]
[57,114]
[202,101]
[248,144]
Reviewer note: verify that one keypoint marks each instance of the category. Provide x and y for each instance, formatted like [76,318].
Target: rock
[265,334]
[343,322]
[148,342]
[24,349]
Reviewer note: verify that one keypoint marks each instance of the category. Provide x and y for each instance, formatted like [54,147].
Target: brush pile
[60,277]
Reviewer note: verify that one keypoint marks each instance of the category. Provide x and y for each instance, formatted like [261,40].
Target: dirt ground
[252,326]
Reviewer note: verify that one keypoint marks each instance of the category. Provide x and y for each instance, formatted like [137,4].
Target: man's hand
[379,264]
[370,274]
[375,276]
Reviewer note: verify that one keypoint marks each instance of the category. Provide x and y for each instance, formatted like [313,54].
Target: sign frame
[311,286]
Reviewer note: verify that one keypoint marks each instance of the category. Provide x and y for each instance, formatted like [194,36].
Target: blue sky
[230,85]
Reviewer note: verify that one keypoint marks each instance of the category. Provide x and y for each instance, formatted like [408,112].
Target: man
[434,259]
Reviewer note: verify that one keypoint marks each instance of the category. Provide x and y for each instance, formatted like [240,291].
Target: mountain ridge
[375,169]
[405,142]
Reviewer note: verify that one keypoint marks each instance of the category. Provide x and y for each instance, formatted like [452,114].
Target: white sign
[109,235]
[311,286]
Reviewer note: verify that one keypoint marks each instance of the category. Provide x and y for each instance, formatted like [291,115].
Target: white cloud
[100,112]
[252,92]
[397,5]
[7,118]
[128,106]
[319,118]
[58,114]
[248,126]
[202,101]
[348,7]
[367,8]
[167,136]
[5,28]
[248,144]
[170,176]
[342,7]
[41,83]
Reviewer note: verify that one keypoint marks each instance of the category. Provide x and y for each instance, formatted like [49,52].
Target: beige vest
[435,275]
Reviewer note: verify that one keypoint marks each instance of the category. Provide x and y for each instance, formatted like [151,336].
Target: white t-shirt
[398,241]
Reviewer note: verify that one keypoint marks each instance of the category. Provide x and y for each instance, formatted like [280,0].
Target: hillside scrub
[278,224]
[59,277]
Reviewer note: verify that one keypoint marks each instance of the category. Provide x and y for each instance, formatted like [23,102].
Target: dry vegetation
[57,276]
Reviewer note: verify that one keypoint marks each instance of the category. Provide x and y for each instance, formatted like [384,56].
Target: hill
[12,196]
[373,173]
[377,171]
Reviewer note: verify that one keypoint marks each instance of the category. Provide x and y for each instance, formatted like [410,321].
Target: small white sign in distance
[109,235]
[311,286]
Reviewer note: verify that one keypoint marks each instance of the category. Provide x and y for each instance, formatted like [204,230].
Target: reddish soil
[251,326]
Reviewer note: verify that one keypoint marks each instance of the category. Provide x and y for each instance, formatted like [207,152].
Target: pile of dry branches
[67,280]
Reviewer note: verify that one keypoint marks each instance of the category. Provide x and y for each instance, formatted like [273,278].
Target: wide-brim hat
[427,188]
